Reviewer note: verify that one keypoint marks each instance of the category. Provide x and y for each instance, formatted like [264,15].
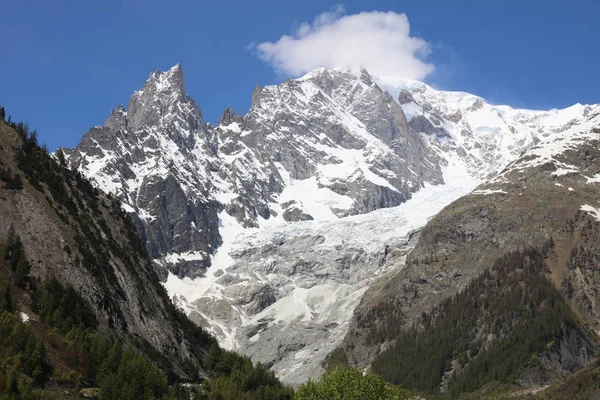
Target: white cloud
[377,41]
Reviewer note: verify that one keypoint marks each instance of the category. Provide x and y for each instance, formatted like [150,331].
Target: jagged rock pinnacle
[168,80]
[117,119]
[256,94]
[230,116]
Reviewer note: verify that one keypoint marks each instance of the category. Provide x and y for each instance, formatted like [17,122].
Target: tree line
[119,369]
[500,323]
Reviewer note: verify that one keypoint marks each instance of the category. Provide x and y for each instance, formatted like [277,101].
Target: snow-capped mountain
[269,227]
[548,200]
[486,137]
[158,157]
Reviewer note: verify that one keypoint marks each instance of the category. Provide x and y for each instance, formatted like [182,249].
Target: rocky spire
[256,94]
[167,81]
[163,94]
[365,77]
[117,119]
[230,116]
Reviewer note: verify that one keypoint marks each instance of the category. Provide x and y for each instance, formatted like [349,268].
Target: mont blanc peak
[268,227]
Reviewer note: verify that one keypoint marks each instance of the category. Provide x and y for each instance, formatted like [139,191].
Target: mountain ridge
[547,200]
[79,287]
[331,148]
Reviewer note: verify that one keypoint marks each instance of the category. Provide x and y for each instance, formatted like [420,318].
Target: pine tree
[12,387]
[15,183]
[22,268]
[11,241]
[2,113]
[5,299]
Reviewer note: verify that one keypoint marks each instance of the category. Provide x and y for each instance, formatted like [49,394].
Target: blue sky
[65,64]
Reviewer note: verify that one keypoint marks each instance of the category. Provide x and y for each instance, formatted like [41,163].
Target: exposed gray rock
[330,144]
[294,213]
[176,174]
[538,202]
[140,153]
[405,97]
[421,124]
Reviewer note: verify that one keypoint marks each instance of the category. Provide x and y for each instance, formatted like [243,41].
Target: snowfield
[316,298]
[290,189]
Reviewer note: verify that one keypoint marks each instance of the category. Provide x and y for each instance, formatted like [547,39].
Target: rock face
[546,199]
[78,235]
[157,156]
[331,133]
[269,227]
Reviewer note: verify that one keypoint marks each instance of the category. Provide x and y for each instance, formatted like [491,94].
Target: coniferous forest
[62,348]
[499,324]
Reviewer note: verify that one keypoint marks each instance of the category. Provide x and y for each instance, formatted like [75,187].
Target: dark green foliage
[492,328]
[135,378]
[336,359]
[120,373]
[5,296]
[61,307]
[584,384]
[235,377]
[349,384]
[73,195]
[2,113]
[5,174]
[13,182]
[13,252]
[22,349]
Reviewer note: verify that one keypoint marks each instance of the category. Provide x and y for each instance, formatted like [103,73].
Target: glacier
[267,228]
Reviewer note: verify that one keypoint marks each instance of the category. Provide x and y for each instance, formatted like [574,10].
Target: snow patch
[487,191]
[24,317]
[595,212]
[593,179]
[316,201]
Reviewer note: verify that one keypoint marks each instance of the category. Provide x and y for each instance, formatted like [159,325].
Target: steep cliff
[268,227]
[546,199]
[79,269]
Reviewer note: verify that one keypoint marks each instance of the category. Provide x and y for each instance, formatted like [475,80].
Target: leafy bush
[349,384]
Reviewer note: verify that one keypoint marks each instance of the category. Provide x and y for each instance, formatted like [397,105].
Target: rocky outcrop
[251,196]
[156,156]
[547,199]
[80,236]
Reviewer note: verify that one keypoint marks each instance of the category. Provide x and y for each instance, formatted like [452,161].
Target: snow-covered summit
[249,220]
[486,136]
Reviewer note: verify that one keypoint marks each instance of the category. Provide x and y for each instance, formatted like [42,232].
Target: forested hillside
[82,307]
[506,324]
